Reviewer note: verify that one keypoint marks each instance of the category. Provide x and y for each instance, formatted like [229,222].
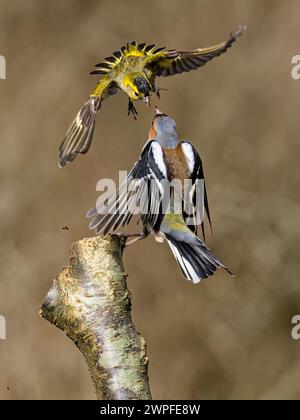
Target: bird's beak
[158,111]
[146,100]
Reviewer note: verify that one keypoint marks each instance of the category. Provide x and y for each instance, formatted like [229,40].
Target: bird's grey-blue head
[164,130]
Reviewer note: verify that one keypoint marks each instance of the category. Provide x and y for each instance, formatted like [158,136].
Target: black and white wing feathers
[196,203]
[141,193]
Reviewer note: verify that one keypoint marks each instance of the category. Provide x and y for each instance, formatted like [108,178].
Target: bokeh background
[224,338]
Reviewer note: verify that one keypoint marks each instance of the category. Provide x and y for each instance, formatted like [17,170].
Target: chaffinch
[146,192]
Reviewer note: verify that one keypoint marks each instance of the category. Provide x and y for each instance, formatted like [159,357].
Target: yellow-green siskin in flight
[133,70]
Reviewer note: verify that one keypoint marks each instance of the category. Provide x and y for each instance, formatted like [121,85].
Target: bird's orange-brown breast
[152,133]
[176,163]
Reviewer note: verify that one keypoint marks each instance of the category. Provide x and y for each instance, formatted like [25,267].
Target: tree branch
[90,302]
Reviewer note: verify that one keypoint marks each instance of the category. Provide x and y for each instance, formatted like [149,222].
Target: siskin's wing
[80,133]
[171,62]
[140,194]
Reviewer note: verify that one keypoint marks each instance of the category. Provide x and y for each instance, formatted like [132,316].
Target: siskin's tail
[196,261]
[79,136]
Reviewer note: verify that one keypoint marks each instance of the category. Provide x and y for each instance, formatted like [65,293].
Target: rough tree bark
[90,302]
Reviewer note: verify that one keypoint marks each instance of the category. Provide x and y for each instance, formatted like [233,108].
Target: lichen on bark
[91,303]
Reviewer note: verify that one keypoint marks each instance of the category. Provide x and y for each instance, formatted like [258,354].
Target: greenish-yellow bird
[133,70]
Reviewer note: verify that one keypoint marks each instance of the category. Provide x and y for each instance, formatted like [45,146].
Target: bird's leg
[127,235]
[136,236]
[157,91]
[131,109]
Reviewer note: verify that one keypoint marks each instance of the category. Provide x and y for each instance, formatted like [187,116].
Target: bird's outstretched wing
[141,193]
[171,62]
[197,201]
[80,133]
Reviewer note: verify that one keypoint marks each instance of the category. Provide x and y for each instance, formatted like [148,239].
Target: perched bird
[133,70]
[149,191]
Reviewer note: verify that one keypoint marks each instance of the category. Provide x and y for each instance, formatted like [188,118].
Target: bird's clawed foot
[158,91]
[131,109]
[125,236]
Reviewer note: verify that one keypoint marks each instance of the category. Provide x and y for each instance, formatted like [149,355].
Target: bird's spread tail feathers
[196,261]
[79,136]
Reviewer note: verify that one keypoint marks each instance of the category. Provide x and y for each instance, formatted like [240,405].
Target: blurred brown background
[225,338]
